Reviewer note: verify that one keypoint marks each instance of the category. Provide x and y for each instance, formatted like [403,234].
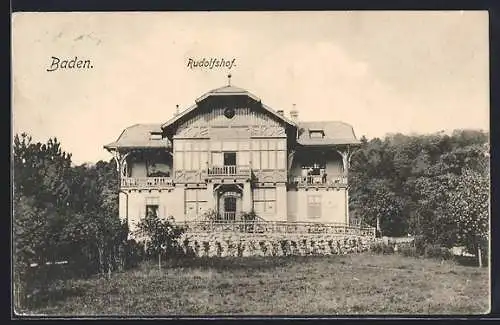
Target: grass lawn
[326,285]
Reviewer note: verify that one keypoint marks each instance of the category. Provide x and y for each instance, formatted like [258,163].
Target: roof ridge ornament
[229,79]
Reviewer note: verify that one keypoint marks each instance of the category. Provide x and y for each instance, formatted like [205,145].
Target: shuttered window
[195,202]
[264,200]
[314,206]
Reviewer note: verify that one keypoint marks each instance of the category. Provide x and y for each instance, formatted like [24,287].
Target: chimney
[280,112]
[176,110]
[294,114]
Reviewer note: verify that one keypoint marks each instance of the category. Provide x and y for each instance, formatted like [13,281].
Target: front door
[229,208]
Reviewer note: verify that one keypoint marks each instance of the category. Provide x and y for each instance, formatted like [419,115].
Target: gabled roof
[335,133]
[139,136]
[227,91]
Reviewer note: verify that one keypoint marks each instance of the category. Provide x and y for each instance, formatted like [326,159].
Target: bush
[381,248]
[419,244]
[408,250]
[210,215]
[135,254]
[438,252]
[161,236]
[249,216]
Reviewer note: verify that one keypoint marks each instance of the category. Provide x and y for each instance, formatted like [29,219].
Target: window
[264,200]
[155,169]
[316,134]
[195,202]
[152,210]
[314,206]
[190,155]
[267,154]
[229,112]
[229,158]
[155,136]
[152,206]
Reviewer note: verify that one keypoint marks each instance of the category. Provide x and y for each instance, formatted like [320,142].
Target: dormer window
[155,136]
[316,134]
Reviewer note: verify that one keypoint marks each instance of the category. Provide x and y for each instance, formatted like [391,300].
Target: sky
[381,72]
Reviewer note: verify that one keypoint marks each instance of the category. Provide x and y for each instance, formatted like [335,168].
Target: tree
[63,212]
[160,235]
[469,206]
[40,202]
[454,210]
[403,181]
[381,207]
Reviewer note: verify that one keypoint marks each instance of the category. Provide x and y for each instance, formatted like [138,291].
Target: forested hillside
[433,185]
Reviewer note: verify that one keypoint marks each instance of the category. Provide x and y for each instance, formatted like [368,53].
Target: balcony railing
[279,227]
[229,170]
[319,180]
[229,216]
[146,182]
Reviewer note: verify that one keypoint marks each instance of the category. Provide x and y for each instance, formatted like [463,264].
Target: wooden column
[290,157]
[346,159]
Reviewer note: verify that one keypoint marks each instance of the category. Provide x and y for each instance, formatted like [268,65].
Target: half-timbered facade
[230,153]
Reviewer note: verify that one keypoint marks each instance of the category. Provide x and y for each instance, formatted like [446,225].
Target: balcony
[339,180]
[229,171]
[146,182]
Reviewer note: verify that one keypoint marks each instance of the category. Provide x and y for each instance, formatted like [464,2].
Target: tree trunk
[100,251]
[121,254]
[378,227]
[479,256]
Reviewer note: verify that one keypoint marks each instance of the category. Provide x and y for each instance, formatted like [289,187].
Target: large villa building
[230,153]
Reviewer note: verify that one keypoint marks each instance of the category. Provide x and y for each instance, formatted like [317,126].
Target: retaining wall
[242,244]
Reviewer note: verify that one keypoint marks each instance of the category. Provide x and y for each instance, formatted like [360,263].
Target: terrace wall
[272,244]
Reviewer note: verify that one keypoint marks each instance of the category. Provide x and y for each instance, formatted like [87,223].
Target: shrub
[249,216]
[381,248]
[162,236]
[408,250]
[210,215]
[436,251]
[419,244]
[134,254]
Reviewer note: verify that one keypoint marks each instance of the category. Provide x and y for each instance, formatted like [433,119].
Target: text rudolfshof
[211,63]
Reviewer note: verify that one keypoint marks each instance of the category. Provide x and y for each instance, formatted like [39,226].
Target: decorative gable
[228,108]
